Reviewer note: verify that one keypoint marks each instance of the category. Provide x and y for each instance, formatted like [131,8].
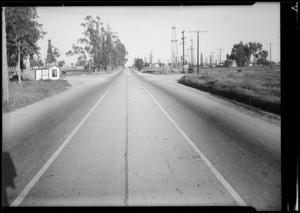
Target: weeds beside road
[32,91]
[257,88]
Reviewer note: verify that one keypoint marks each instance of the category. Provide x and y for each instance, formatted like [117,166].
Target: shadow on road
[8,175]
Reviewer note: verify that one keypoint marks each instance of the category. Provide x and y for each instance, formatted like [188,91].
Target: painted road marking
[35,179]
[225,183]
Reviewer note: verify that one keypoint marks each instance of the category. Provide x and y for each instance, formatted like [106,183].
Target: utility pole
[270,55]
[220,55]
[183,48]
[5,81]
[198,46]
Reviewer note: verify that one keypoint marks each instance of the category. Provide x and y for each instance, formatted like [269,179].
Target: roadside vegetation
[30,92]
[99,49]
[80,72]
[258,87]
[155,70]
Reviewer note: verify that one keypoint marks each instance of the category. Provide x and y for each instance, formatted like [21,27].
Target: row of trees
[241,53]
[100,48]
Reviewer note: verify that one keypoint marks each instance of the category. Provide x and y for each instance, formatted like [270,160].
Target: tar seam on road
[126,148]
[225,183]
[35,179]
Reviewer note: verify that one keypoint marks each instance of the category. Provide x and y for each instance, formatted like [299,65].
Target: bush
[257,89]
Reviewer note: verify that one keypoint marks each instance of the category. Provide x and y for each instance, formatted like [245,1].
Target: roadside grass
[258,87]
[32,91]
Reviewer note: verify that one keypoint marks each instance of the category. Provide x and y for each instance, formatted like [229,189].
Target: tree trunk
[5,85]
[19,64]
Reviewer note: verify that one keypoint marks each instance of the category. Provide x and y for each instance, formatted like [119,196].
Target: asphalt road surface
[130,138]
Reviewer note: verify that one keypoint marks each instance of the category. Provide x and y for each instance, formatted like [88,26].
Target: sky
[143,29]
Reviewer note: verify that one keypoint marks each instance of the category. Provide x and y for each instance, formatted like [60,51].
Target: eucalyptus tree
[99,46]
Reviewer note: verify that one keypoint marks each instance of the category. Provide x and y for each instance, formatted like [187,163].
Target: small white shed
[47,72]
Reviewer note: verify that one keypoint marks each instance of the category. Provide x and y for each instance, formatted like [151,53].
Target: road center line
[35,179]
[227,185]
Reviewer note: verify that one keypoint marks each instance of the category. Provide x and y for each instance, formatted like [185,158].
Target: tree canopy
[23,32]
[138,63]
[99,47]
[241,53]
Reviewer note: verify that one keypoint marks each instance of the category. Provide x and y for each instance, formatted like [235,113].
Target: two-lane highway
[131,140]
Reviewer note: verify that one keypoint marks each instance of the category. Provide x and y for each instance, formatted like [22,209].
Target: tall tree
[23,32]
[56,53]
[82,55]
[138,63]
[254,49]
[240,53]
[99,46]
[5,87]
[119,54]
[262,57]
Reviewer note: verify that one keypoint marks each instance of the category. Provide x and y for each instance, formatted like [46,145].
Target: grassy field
[32,91]
[255,86]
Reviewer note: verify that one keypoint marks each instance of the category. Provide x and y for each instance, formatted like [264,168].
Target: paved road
[129,139]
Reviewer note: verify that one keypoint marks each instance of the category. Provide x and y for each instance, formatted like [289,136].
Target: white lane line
[35,179]
[227,185]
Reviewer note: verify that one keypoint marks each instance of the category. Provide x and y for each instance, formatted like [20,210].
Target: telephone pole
[220,55]
[270,55]
[198,46]
[5,81]
[183,47]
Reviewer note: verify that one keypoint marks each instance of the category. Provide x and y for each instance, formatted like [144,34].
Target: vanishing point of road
[126,139]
